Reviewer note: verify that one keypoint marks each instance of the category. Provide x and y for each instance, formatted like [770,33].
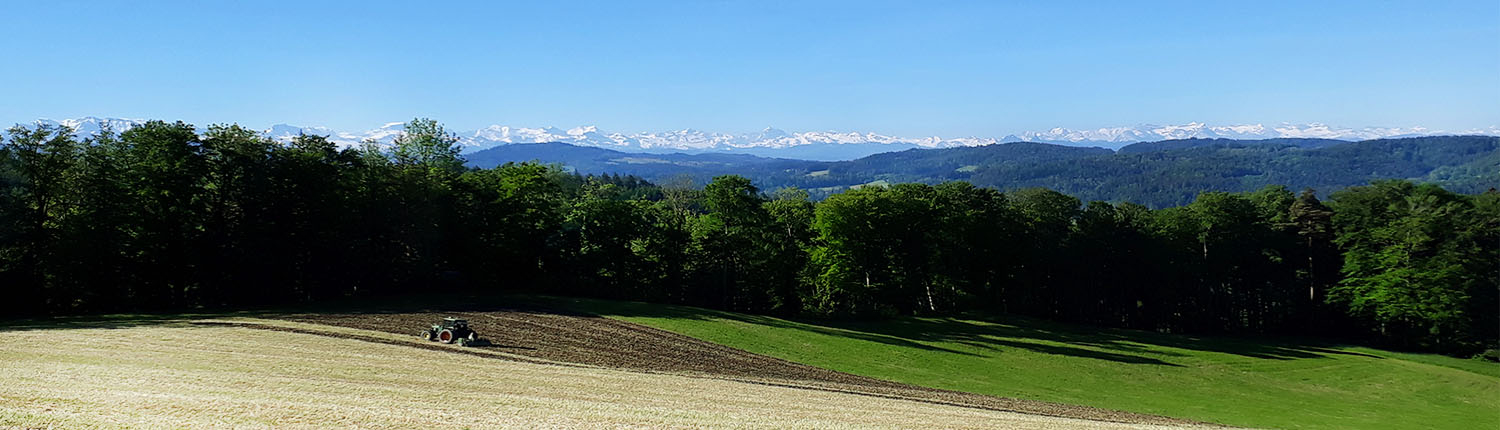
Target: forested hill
[1156,174]
[1172,177]
[1167,145]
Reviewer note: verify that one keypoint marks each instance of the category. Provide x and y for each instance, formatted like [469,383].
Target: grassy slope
[124,372]
[1228,381]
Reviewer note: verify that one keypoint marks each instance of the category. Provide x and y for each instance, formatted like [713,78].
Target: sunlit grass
[1244,382]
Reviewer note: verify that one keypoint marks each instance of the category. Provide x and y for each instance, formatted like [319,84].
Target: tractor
[452,330]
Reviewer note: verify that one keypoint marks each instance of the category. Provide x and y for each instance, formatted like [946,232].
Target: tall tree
[874,255]
[509,212]
[789,237]
[13,282]
[600,237]
[426,163]
[44,160]
[970,233]
[309,203]
[165,177]
[1238,285]
[730,245]
[1484,264]
[98,237]
[1318,261]
[1313,222]
[852,252]
[1045,218]
[425,144]
[1405,262]
[238,242]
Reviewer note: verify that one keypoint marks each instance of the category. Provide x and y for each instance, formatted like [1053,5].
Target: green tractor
[452,330]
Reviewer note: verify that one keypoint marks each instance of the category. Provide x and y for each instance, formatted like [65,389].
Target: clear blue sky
[916,68]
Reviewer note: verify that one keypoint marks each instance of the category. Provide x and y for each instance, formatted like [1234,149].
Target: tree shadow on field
[899,332]
[990,327]
[997,333]
[682,312]
[118,321]
[455,303]
[351,306]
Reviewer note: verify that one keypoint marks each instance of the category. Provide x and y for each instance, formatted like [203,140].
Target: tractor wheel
[446,336]
[427,335]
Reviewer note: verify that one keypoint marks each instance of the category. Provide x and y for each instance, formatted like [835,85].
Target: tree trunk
[931,305]
[1312,274]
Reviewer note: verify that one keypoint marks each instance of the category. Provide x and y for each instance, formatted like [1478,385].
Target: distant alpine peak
[91,125]
[773,139]
[1116,136]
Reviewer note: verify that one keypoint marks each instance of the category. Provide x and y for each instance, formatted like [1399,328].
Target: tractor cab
[454,323]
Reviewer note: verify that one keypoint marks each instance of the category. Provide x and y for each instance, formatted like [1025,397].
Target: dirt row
[597,341]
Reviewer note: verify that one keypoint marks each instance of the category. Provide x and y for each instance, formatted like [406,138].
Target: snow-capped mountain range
[831,145]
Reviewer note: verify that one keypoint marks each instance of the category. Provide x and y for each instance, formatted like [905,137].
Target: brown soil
[596,341]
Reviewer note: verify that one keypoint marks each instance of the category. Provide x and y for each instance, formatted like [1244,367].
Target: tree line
[164,216]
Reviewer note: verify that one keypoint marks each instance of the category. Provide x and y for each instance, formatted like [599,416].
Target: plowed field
[561,337]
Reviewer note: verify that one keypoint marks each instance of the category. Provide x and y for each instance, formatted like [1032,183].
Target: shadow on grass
[996,333]
[993,333]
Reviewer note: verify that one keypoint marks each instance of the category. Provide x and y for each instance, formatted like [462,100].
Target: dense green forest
[1155,174]
[167,217]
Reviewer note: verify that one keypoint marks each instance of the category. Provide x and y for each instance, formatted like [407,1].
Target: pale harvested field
[190,376]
